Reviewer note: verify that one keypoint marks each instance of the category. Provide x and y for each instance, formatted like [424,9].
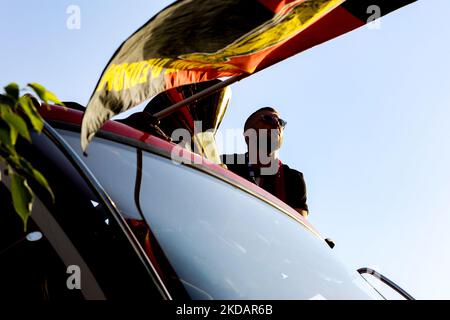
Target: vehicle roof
[63,115]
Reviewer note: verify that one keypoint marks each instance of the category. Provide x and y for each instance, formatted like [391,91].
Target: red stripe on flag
[182,77]
[176,96]
[334,24]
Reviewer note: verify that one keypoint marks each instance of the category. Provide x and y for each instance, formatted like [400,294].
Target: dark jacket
[294,183]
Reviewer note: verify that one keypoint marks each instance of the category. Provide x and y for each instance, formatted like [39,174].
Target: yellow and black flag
[193,41]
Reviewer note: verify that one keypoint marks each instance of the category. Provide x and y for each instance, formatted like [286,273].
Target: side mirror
[330,242]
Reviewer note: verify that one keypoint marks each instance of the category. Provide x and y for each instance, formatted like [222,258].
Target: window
[221,242]
[30,268]
[78,229]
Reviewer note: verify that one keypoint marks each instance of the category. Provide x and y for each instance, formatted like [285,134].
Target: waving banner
[196,40]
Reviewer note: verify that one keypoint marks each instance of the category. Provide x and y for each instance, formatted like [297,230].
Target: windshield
[222,242]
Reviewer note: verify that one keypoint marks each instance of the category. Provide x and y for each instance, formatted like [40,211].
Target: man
[263,133]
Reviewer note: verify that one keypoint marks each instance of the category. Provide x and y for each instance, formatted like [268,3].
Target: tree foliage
[19,116]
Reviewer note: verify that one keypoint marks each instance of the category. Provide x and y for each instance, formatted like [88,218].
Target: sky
[367,115]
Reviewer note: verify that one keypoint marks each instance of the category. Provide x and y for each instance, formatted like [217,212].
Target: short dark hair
[253,114]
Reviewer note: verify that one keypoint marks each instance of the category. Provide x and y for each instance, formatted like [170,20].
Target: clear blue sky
[367,114]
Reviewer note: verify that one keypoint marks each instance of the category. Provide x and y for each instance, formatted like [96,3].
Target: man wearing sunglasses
[263,132]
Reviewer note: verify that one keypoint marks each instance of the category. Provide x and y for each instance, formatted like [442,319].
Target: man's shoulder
[296,188]
[291,171]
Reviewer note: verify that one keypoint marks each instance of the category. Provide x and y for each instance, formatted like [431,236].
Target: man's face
[269,131]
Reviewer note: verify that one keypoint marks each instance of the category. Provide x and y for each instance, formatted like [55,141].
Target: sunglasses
[269,119]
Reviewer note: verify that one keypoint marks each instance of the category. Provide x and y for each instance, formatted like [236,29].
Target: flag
[193,41]
[198,120]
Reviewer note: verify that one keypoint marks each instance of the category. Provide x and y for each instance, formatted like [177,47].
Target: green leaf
[8,134]
[22,197]
[39,90]
[4,109]
[12,90]
[15,122]
[23,167]
[44,94]
[6,151]
[36,175]
[33,115]
[43,182]
[52,97]
[5,135]
[7,100]
[13,134]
